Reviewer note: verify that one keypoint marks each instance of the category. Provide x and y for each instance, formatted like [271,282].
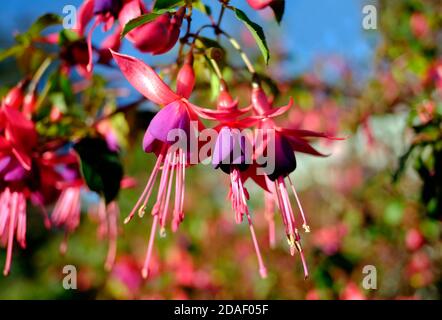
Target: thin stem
[216,68]
[221,14]
[243,55]
[39,73]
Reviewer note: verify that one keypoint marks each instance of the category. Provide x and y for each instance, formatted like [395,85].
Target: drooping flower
[67,210]
[171,159]
[286,142]
[108,229]
[156,37]
[18,181]
[103,12]
[232,155]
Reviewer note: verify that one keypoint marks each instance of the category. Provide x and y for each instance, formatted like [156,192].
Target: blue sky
[311,29]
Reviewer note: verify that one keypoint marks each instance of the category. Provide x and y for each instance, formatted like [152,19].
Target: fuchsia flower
[105,12]
[329,239]
[286,142]
[67,210]
[108,229]
[230,155]
[18,139]
[176,115]
[156,37]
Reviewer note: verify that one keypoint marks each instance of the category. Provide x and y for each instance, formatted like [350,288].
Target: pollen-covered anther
[141,213]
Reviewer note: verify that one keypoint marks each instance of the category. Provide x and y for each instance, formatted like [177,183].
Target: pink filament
[145,270]
[269,214]
[68,209]
[237,195]
[112,213]
[289,221]
[304,220]
[161,206]
[163,215]
[12,222]
[262,268]
[89,44]
[148,189]
[178,213]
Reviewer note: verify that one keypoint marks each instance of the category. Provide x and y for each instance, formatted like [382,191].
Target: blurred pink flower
[352,292]
[329,239]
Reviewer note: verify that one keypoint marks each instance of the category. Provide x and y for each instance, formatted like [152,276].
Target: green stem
[237,47]
[39,73]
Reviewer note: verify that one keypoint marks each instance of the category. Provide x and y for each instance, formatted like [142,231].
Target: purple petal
[4,162]
[223,147]
[173,116]
[285,161]
[148,142]
[105,6]
[16,173]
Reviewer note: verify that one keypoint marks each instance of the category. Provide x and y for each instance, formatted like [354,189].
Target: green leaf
[257,33]
[278,8]
[43,22]
[38,26]
[166,4]
[208,43]
[57,100]
[67,36]
[10,52]
[143,19]
[199,5]
[100,167]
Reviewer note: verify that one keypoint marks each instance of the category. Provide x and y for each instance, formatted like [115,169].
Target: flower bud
[29,104]
[260,4]
[14,98]
[159,35]
[186,78]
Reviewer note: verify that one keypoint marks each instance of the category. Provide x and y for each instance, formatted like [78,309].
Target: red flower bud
[259,4]
[186,78]
[14,98]
[160,35]
[29,104]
